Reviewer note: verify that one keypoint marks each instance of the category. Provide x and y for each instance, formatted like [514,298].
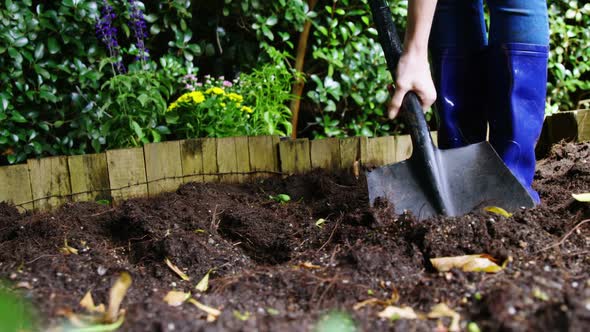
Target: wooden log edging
[116,175]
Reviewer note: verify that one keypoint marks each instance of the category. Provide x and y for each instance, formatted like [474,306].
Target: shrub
[253,104]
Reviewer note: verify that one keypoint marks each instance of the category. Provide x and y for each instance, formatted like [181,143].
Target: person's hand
[413,74]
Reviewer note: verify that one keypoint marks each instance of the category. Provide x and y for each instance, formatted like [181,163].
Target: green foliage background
[58,97]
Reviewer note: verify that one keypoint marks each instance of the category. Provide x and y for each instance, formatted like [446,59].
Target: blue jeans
[460,23]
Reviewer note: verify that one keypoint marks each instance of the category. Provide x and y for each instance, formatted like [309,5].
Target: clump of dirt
[281,266]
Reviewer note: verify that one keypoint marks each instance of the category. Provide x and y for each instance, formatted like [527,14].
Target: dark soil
[257,248]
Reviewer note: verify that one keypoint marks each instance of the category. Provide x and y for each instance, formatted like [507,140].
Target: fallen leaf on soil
[67,250]
[468,263]
[309,265]
[540,295]
[24,284]
[498,210]
[116,296]
[442,310]
[242,316]
[375,301]
[87,303]
[175,298]
[395,313]
[173,267]
[203,285]
[212,313]
[585,197]
[320,223]
[101,327]
[272,311]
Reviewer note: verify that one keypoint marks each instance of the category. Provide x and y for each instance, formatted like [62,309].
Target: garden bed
[277,268]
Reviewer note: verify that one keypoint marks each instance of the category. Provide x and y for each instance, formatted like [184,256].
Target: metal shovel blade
[472,176]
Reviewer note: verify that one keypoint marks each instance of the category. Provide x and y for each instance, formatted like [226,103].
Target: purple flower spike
[108,34]
[139,28]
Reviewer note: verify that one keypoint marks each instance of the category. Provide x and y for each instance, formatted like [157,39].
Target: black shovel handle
[425,154]
[392,47]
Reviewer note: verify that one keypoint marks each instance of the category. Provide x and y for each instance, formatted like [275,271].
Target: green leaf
[137,129]
[20,42]
[17,117]
[39,51]
[52,45]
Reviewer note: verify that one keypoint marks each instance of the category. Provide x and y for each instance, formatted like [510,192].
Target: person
[478,81]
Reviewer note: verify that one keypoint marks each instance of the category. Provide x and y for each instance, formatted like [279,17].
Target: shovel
[449,182]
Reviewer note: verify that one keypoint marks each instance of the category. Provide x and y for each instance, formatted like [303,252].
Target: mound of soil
[279,264]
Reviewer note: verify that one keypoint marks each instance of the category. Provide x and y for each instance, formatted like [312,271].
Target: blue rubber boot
[517,87]
[459,77]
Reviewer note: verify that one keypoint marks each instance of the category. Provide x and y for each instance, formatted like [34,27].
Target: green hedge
[58,94]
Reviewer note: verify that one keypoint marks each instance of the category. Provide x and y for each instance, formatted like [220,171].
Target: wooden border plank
[227,162]
[295,156]
[350,152]
[89,177]
[210,169]
[191,156]
[15,186]
[242,159]
[403,147]
[325,153]
[50,182]
[264,155]
[163,167]
[127,176]
[381,151]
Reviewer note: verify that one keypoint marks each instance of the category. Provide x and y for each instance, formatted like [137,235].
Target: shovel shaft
[425,153]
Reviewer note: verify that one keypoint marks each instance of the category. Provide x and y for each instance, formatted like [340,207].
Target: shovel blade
[473,176]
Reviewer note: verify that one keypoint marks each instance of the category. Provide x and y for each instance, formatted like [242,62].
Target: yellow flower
[197,97]
[222,104]
[172,106]
[247,109]
[215,90]
[235,97]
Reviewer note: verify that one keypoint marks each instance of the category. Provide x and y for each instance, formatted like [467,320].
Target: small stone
[211,241]
[13,276]
[171,327]
[575,284]
[101,270]
[547,268]
[173,284]
[511,310]
[523,244]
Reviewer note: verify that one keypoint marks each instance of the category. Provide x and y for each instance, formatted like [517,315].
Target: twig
[331,234]
[560,242]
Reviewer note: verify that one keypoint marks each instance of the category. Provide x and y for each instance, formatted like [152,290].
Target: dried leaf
[242,316]
[212,313]
[24,284]
[101,328]
[498,211]
[320,223]
[116,296]
[203,285]
[468,263]
[442,310]
[585,197]
[87,303]
[175,298]
[173,267]
[394,313]
[309,265]
[67,250]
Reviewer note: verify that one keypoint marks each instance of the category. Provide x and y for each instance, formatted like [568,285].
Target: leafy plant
[211,110]
[280,198]
[254,104]
[569,57]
